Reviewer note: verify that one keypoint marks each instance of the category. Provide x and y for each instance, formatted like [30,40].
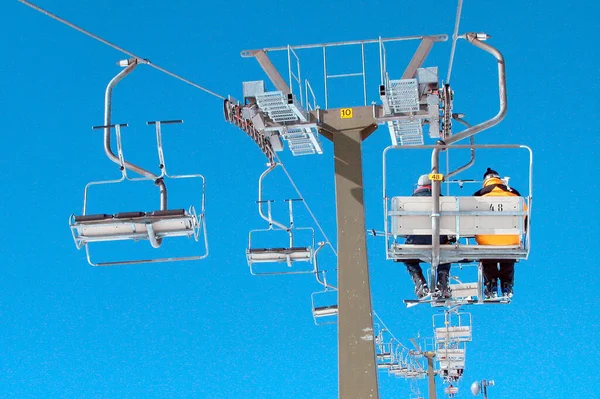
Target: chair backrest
[460,216]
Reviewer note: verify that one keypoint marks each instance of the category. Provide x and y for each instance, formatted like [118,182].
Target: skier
[413,265]
[494,269]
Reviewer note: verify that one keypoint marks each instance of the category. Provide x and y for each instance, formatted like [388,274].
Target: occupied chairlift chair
[152,226]
[463,217]
[288,255]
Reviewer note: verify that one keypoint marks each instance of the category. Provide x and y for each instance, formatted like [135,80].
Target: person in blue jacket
[413,265]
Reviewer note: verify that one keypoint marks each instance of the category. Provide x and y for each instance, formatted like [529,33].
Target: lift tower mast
[347,128]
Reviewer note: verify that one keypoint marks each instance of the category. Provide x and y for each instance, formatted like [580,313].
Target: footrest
[464,290]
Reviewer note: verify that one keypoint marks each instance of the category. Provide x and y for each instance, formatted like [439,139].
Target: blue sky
[209,329]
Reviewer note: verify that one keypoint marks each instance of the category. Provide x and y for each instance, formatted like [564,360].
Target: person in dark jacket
[413,265]
[494,269]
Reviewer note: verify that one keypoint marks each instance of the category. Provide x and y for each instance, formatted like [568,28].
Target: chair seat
[132,225]
[256,255]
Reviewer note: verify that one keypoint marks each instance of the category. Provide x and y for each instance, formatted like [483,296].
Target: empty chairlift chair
[153,225]
[324,302]
[452,327]
[270,258]
[385,347]
[452,331]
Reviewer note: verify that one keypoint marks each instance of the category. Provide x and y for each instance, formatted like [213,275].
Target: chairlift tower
[286,115]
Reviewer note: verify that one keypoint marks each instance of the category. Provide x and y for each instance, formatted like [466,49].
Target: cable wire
[312,215]
[454,39]
[122,50]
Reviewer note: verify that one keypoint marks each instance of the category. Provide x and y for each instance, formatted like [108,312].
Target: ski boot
[442,289]
[490,290]
[421,288]
[507,290]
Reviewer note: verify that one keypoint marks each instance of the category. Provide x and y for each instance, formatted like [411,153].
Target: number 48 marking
[497,207]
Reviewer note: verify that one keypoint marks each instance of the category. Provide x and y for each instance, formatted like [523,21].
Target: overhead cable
[454,39]
[306,205]
[114,46]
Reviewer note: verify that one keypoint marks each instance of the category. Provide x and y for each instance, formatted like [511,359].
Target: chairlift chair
[290,254]
[384,346]
[451,391]
[458,216]
[463,218]
[153,226]
[324,303]
[324,313]
[398,369]
[452,331]
[451,326]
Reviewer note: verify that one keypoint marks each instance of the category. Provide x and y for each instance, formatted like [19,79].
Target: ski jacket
[423,191]
[495,187]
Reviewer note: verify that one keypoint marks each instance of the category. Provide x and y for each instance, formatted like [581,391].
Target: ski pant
[413,266]
[503,269]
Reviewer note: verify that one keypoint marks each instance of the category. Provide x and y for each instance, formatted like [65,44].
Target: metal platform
[402,95]
[406,132]
[409,104]
[302,140]
[279,107]
[289,120]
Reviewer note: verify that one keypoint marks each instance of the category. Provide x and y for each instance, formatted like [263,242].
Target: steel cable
[114,46]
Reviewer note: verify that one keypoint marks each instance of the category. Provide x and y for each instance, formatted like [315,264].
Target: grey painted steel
[430,374]
[357,364]
[435,217]
[466,166]
[454,38]
[473,39]
[132,64]
[260,201]
[267,66]
[437,38]
[114,46]
[418,58]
